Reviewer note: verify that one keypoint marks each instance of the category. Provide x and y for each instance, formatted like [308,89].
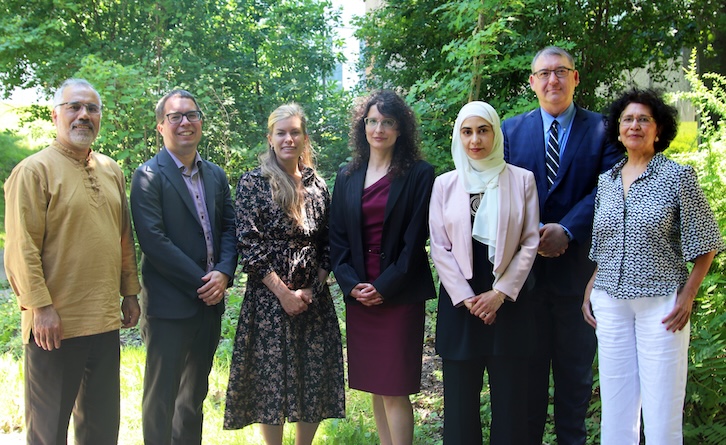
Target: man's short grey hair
[58,98]
[554,51]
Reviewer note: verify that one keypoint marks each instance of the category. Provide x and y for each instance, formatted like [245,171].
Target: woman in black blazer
[378,232]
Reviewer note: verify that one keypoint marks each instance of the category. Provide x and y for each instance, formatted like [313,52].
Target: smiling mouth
[186,133]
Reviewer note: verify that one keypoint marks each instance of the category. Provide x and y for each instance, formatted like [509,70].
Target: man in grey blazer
[184,220]
[561,270]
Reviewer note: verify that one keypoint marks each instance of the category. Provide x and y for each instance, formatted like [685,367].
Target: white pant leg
[663,368]
[618,369]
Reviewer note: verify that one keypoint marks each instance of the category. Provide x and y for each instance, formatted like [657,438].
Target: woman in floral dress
[287,360]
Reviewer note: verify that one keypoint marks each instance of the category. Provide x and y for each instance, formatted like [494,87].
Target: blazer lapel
[171,171]
[354,211]
[393,194]
[461,214]
[505,200]
[538,154]
[209,193]
[580,127]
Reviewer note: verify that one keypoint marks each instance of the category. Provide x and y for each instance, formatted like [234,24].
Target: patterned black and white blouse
[641,243]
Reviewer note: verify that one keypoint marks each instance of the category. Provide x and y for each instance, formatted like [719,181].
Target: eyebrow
[480,126]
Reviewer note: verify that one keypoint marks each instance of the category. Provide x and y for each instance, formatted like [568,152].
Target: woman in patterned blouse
[651,217]
[287,363]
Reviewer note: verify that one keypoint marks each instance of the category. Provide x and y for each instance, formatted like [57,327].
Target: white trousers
[640,364]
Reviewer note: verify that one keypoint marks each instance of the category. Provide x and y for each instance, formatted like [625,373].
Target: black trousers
[179,355]
[567,344]
[80,378]
[463,381]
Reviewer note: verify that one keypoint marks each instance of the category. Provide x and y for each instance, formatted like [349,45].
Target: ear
[531,81]
[54,116]
[160,126]
[269,141]
[576,76]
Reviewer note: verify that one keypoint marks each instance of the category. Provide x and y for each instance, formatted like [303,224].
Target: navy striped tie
[552,159]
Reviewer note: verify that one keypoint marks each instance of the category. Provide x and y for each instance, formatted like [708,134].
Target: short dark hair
[666,116]
[553,51]
[406,151]
[162,102]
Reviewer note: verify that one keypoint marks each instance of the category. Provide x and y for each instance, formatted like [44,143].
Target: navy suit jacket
[174,253]
[571,198]
[405,272]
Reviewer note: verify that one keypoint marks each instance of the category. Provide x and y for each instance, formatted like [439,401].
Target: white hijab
[481,176]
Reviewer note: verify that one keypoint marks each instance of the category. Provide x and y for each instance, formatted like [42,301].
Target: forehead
[636,108]
[178,103]
[475,121]
[289,123]
[550,61]
[373,111]
[80,93]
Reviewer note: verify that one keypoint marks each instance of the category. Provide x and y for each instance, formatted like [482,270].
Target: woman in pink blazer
[484,223]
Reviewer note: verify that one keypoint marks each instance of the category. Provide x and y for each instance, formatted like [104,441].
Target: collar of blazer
[357,179]
[168,168]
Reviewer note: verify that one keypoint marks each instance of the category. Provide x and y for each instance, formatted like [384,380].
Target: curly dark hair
[406,151]
[666,117]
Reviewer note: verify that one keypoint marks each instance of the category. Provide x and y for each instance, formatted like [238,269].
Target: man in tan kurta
[69,257]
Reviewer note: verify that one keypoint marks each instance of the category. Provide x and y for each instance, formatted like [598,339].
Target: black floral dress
[284,368]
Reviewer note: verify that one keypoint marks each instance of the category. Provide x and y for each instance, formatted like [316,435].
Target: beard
[83,137]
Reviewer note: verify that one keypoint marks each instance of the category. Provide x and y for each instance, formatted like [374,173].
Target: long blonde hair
[285,191]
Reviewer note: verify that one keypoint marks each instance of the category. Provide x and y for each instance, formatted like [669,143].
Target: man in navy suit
[184,221]
[562,269]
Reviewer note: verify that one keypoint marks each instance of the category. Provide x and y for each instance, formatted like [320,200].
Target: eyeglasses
[643,120]
[192,116]
[386,124]
[75,107]
[560,72]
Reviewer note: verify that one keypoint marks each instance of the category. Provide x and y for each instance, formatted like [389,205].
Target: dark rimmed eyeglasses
[75,107]
[560,72]
[192,116]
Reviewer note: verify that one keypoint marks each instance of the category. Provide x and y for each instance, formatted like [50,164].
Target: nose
[552,77]
[83,112]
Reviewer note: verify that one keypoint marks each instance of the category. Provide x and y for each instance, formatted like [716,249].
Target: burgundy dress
[385,342]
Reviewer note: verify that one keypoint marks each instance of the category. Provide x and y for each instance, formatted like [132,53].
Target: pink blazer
[517,234]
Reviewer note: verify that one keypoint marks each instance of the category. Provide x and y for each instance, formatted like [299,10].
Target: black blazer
[172,239]
[405,272]
[570,201]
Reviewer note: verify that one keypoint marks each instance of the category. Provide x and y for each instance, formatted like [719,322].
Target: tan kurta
[68,240]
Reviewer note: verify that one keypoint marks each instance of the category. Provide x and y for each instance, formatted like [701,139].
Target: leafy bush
[10,339]
[687,139]
[705,419]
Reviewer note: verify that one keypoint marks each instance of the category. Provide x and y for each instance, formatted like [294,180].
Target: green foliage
[10,339]
[241,59]
[706,388]
[708,95]
[11,153]
[705,419]
[686,140]
[445,53]
[11,406]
